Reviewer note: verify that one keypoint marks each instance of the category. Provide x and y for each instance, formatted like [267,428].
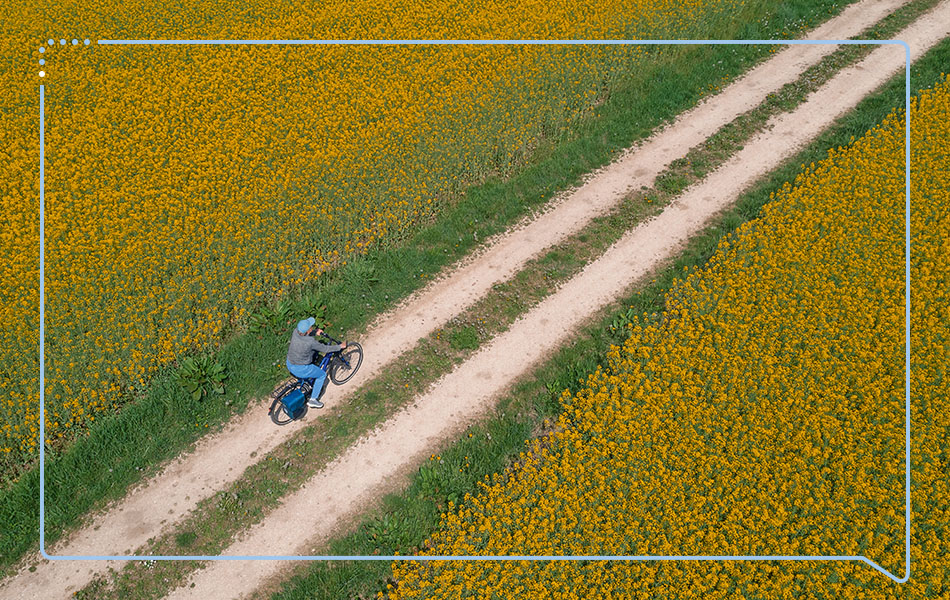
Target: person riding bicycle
[300,358]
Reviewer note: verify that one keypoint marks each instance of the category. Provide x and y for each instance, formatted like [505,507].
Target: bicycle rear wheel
[346,364]
[278,411]
[279,415]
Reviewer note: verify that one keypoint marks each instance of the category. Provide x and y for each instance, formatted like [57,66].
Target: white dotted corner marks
[62,42]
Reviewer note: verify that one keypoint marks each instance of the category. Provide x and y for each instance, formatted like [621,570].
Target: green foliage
[465,338]
[623,320]
[185,539]
[311,306]
[270,319]
[361,273]
[201,376]
[276,320]
[390,531]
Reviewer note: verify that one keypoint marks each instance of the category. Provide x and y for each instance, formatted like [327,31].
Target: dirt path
[374,464]
[172,494]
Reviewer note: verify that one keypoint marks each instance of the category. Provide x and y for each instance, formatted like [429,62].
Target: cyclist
[301,355]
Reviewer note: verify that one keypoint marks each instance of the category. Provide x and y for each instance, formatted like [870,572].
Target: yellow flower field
[763,414]
[187,185]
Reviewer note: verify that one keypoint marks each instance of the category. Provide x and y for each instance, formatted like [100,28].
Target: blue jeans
[312,373]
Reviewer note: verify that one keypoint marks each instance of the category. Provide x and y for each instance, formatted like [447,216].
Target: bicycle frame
[324,364]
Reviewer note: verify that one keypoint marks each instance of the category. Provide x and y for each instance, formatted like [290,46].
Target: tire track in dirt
[378,462]
[166,498]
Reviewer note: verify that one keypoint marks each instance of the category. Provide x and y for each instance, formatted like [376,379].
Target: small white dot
[42,49]
[42,73]
[62,42]
[87,41]
[50,41]
[75,42]
[42,62]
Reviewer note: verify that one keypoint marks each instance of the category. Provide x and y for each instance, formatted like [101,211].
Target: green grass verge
[404,521]
[123,448]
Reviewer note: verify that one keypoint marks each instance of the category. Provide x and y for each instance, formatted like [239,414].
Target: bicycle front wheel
[346,364]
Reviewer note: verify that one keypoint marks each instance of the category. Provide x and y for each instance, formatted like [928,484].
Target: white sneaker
[314,403]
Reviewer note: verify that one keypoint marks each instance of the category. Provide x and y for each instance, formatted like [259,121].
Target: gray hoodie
[302,348]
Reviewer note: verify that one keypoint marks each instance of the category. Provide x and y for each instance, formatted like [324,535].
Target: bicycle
[340,366]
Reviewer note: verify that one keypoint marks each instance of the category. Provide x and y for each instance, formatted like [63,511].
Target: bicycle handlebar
[335,341]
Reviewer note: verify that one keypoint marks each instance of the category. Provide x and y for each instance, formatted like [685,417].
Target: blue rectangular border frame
[863,559]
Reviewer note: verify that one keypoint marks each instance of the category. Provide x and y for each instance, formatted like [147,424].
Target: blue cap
[305,325]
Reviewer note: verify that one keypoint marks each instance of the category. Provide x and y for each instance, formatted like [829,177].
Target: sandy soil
[374,465]
[166,498]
